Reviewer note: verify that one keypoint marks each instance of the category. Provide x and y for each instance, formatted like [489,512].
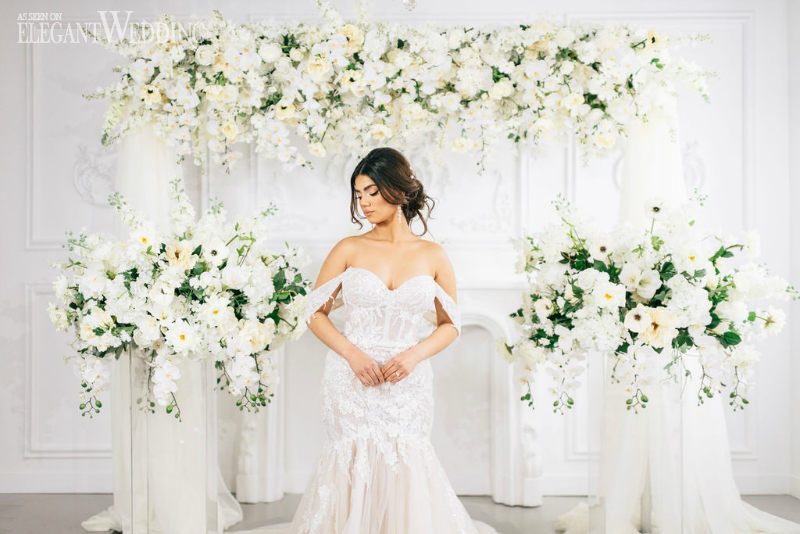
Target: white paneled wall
[792,23]
[736,149]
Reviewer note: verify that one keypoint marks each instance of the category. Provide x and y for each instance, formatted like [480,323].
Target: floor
[62,513]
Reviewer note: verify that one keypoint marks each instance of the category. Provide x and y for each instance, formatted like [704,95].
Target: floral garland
[348,86]
[205,289]
[646,298]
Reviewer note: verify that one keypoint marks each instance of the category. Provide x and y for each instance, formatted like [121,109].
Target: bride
[378,472]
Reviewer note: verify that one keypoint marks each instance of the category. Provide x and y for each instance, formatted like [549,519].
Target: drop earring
[398,213]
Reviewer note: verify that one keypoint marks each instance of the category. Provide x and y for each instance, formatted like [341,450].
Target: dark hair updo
[391,172]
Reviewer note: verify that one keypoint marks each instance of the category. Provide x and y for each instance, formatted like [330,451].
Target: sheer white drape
[145,166]
[649,482]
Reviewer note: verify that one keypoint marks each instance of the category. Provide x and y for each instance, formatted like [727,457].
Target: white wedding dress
[378,472]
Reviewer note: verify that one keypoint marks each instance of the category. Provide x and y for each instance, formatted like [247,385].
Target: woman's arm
[445,333]
[364,367]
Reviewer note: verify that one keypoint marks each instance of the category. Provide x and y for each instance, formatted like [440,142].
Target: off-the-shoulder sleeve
[449,306]
[319,297]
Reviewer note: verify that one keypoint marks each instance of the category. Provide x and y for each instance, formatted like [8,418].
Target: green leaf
[667,270]
[731,338]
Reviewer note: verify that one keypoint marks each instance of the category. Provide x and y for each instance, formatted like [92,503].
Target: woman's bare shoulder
[437,256]
[346,249]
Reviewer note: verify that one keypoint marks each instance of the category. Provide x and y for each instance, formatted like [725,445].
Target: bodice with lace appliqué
[378,317]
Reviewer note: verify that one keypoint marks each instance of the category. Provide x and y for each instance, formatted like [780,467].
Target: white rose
[354,35]
[318,68]
[256,334]
[571,100]
[234,276]
[205,55]
[564,37]
[501,89]
[92,282]
[455,37]
[537,69]
[528,351]
[588,278]
[270,52]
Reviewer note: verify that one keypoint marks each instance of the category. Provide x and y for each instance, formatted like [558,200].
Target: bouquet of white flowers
[204,289]
[343,86]
[646,298]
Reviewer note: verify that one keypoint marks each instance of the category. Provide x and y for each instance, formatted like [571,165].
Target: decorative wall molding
[35,446]
[93,175]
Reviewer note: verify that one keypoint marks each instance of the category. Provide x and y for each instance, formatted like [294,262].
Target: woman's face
[373,205]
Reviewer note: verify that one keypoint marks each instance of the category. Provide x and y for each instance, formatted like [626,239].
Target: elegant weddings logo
[112,26]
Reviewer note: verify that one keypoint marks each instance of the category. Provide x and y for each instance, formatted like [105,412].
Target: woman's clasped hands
[370,373]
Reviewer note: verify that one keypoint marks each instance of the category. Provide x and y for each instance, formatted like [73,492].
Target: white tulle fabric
[668,468]
[378,472]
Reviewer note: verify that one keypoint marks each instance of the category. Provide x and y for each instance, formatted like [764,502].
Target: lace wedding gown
[378,472]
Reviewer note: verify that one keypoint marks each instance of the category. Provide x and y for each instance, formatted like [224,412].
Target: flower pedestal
[637,482]
[173,463]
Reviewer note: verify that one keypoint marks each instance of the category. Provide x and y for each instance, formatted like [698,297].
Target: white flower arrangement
[204,289]
[342,87]
[645,298]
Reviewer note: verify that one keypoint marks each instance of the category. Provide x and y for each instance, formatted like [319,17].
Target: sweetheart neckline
[378,278]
